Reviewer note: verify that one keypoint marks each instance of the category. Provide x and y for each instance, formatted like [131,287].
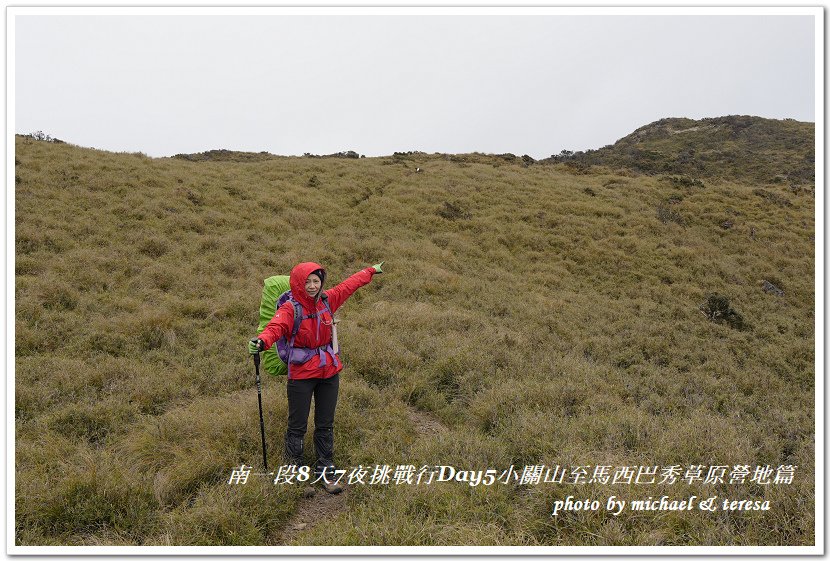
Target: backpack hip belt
[301,355]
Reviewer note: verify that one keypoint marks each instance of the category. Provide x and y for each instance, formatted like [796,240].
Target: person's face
[312,285]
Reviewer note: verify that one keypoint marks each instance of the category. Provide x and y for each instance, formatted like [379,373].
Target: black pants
[299,404]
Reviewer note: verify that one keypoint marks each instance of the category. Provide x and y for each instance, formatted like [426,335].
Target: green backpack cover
[274,286]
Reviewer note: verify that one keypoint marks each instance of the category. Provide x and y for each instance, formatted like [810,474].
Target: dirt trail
[310,510]
[318,505]
[425,423]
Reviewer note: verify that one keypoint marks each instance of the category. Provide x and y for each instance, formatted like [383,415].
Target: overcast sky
[284,84]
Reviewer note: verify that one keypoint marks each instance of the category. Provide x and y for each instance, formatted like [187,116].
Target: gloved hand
[256,346]
[377,267]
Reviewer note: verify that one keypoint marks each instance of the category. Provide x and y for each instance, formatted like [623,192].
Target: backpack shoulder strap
[298,317]
[325,300]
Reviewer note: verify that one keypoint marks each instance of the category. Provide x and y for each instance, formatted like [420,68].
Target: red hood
[296,281]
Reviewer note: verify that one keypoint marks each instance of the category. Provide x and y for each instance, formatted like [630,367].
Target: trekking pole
[261,422]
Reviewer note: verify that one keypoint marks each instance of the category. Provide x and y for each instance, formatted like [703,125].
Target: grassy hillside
[529,314]
[733,147]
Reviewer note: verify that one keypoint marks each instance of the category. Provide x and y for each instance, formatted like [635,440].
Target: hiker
[314,366]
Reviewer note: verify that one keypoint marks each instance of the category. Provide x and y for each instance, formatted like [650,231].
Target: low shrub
[717,309]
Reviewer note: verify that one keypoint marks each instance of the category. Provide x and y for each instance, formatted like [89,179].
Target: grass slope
[542,314]
[733,147]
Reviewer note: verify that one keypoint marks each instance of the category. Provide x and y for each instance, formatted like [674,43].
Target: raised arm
[340,293]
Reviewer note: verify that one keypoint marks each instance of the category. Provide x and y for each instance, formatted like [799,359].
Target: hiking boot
[328,479]
[332,488]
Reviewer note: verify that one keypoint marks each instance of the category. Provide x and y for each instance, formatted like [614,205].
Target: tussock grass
[542,313]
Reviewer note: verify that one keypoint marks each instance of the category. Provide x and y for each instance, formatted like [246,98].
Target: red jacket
[312,334]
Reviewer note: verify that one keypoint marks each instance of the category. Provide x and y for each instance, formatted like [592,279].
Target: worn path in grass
[319,505]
